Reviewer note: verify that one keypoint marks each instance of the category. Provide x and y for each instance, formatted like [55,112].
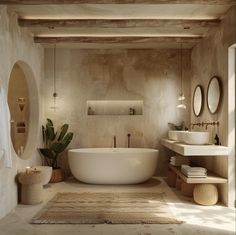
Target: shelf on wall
[211,178]
[115,107]
[195,150]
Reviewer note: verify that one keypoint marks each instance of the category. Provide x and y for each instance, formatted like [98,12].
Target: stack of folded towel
[194,172]
[179,160]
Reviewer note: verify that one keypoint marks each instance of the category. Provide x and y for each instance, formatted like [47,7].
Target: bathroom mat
[111,208]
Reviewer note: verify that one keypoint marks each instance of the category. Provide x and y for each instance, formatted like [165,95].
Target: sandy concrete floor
[199,220]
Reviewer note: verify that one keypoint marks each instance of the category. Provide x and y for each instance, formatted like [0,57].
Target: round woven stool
[32,187]
[205,194]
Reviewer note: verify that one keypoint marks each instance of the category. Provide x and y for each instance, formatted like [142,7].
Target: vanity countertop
[195,150]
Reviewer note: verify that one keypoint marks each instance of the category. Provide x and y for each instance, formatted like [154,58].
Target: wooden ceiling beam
[60,2]
[107,23]
[104,40]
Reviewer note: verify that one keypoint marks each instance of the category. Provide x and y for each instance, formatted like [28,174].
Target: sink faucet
[128,135]
[114,141]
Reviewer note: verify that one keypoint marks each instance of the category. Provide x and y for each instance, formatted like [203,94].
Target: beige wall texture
[16,45]
[149,75]
[210,58]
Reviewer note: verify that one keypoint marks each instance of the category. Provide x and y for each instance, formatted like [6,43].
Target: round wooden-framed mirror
[214,94]
[198,98]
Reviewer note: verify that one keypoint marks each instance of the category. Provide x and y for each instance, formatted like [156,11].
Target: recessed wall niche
[18,101]
[115,107]
[24,109]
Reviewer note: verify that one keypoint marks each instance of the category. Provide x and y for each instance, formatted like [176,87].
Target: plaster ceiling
[116,25]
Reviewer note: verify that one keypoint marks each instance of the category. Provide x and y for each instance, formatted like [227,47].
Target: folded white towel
[194,174]
[1,154]
[179,158]
[174,162]
[193,169]
[183,160]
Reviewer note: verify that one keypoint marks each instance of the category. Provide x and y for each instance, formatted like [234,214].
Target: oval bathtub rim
[113,150]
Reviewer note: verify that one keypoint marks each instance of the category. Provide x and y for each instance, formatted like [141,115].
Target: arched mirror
[18,101]
[23,102]
[214,93]
[197,100]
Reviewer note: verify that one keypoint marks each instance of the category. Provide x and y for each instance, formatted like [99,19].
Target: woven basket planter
[57,175]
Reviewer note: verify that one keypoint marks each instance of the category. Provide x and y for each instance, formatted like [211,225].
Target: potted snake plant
[54,144]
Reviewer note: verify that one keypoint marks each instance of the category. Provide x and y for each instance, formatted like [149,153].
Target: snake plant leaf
[47,153]
[57,147]
[67,139]
[49,122]
[53,145]
[50,133]
[43,133]
[64,129]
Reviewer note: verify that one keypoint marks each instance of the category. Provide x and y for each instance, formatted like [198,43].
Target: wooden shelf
[211,178]
[195,150]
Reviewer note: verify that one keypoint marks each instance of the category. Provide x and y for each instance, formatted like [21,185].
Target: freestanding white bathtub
[113,165]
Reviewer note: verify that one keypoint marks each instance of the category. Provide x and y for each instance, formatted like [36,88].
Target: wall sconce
[21,103]
[55,94]
[181,95]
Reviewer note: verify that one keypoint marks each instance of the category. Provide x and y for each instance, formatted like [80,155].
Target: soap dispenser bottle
[217,140]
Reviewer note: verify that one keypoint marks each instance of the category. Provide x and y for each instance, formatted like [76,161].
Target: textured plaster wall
[17,45]
[209,58]
[149,75]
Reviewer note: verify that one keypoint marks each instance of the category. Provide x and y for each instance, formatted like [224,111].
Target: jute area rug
[112,208]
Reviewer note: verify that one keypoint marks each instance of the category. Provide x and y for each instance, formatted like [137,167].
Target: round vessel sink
[196,137]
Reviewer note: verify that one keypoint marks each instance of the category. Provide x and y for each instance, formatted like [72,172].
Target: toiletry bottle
[217,140]
[131,111]
[90,111]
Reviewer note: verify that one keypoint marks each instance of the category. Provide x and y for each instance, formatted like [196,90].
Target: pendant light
[54,95]
[181,95]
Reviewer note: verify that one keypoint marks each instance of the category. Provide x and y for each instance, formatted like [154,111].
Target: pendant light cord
[181,97]
[181,67]
[54,72]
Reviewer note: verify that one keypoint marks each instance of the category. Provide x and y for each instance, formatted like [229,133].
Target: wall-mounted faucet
[196,124]
[131,111]
[114,141]
[128,135]
[206,124]
[211,124]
